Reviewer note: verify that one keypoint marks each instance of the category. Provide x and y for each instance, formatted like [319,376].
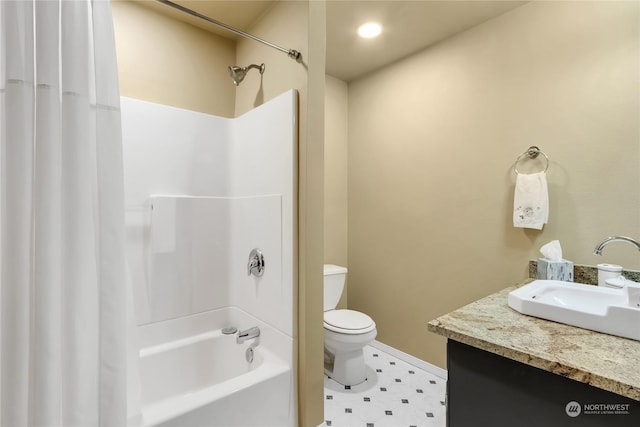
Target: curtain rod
[293,54]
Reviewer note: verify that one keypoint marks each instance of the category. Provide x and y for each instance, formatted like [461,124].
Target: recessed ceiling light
[369,30]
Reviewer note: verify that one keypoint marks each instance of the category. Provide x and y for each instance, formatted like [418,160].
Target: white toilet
[346,332]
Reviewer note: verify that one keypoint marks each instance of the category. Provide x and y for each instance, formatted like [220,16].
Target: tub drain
[249,355]
[229,330]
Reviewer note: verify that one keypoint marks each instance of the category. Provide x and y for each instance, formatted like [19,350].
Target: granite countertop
[604,361]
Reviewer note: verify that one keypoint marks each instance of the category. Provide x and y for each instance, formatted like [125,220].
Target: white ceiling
[409,26]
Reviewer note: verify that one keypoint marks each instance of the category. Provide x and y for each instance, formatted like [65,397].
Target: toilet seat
[348,322]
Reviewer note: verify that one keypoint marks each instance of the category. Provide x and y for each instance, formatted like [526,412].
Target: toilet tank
[334,278]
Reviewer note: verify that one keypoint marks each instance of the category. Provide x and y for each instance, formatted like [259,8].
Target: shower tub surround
[201,192]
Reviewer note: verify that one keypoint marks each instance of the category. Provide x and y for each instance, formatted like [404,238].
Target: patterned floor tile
[396,394]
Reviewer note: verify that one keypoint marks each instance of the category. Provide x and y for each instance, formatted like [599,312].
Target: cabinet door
[485,389]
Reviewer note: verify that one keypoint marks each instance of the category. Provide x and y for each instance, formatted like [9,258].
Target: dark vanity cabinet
[488,390]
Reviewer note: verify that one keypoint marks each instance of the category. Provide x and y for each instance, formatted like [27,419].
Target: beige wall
[170,62]
[311,217]
[335,178]
[298,25]
[432,141]
[285,24]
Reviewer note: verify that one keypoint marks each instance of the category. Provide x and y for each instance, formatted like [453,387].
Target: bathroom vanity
[508,369]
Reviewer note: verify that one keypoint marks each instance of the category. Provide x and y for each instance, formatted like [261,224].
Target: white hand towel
[531,201]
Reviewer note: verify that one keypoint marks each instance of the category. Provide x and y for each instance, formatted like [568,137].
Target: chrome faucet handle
[256,263]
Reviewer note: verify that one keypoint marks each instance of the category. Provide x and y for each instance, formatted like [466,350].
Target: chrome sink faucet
[605,242]
[247,334]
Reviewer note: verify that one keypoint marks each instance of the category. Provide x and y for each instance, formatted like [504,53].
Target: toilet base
[348,367]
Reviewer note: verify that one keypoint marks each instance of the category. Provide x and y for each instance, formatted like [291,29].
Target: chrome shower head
[238,73]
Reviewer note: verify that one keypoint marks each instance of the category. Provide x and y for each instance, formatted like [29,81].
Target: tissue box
[555,270]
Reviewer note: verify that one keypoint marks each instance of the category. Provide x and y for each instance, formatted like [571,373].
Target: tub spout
[247,334]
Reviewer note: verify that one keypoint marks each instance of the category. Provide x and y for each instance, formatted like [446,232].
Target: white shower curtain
[62,300]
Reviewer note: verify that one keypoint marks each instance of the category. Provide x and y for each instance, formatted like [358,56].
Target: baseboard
[418,363]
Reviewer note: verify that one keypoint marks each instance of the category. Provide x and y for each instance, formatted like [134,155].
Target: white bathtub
[193,375]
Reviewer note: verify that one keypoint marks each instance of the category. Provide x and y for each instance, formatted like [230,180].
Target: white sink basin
[585,306]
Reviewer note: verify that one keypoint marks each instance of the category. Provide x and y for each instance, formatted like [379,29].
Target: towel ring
[532,153]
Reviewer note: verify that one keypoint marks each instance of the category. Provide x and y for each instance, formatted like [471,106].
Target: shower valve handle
[256,264]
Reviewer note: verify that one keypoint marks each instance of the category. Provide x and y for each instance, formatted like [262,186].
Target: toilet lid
[347,319]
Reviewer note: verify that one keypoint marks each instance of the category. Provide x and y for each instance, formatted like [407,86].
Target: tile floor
[396,394]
